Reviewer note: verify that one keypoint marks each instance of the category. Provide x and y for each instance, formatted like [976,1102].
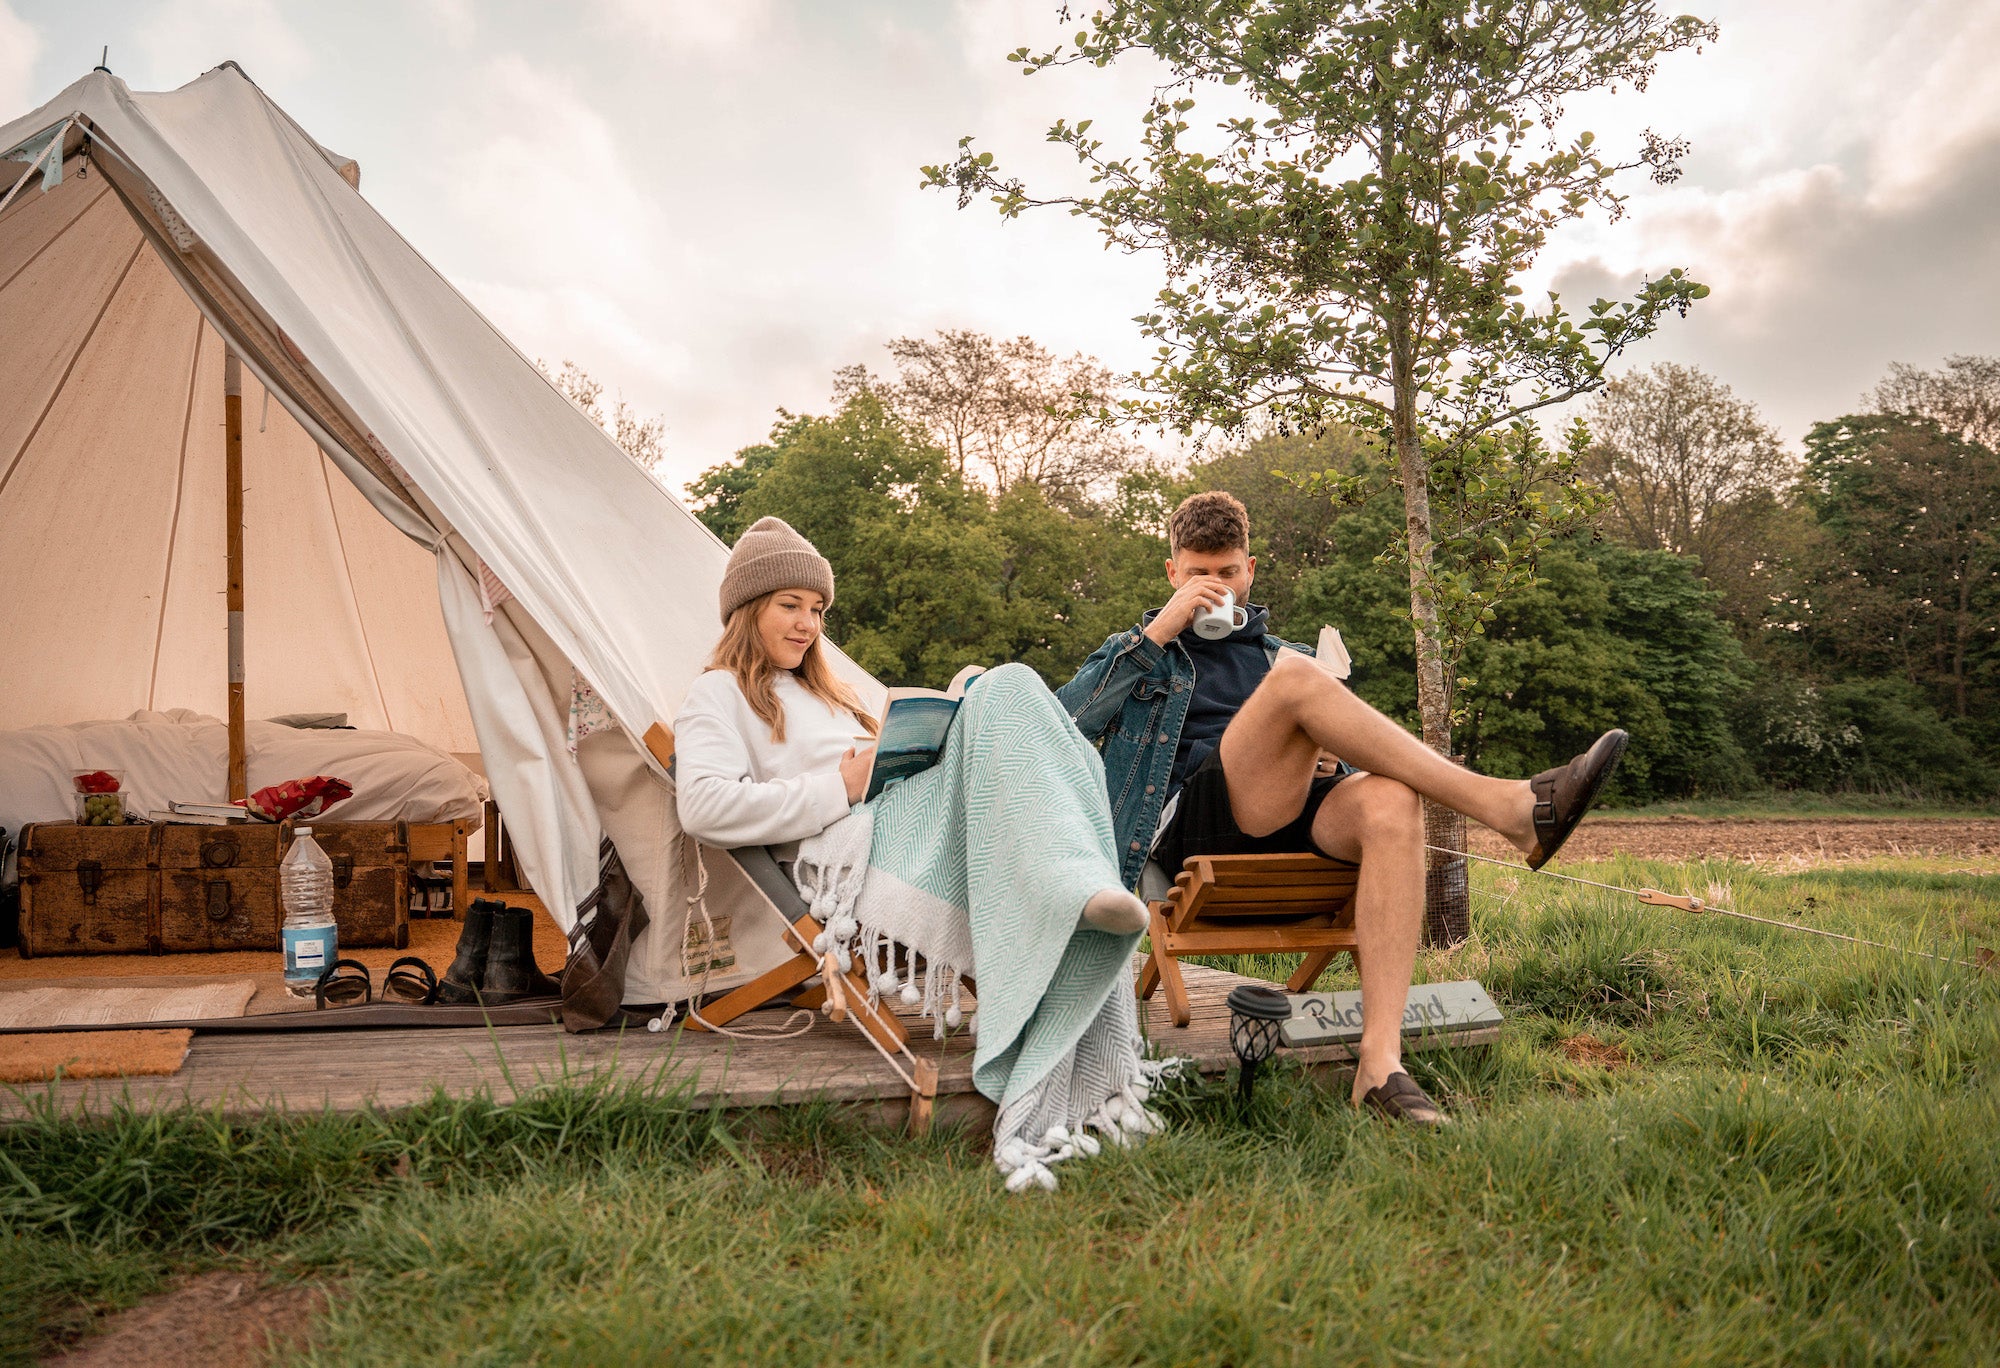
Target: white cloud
[1817,284]
[690,27]
[1837,200]
[20,45]
[455,19]
[712,208]
[183,38]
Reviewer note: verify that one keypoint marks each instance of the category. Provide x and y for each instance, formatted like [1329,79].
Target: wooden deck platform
[348,1071]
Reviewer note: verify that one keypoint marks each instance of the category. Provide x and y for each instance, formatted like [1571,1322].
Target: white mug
[1218,622]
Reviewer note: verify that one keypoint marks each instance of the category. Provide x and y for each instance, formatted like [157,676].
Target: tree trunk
[1447,901]
[1433,697]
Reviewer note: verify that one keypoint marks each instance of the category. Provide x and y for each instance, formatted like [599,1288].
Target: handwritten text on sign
[1328,1018]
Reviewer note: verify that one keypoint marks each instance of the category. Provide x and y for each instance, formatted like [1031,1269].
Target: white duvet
[183,756]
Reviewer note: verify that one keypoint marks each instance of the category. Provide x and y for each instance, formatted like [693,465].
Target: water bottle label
[309,950]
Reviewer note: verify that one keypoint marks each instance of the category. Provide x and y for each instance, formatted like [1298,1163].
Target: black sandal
[345,983]
[411,980]
[1400,1099]
[1563,795]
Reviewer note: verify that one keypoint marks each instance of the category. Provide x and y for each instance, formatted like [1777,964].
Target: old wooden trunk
[171,887]
[88,890]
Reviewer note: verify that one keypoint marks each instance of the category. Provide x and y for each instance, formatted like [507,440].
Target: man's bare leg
[1377,823]
[1300,710]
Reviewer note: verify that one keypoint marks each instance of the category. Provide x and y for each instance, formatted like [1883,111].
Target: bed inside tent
[434,542]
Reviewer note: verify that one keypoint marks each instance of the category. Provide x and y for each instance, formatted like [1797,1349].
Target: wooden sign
[1329,1018]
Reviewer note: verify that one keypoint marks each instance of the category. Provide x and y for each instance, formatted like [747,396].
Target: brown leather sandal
[1400,1098]
[1563,795]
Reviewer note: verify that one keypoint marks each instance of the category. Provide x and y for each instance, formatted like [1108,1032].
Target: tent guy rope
[1687,902]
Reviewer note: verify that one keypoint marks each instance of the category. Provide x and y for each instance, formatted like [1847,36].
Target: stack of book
[203,814]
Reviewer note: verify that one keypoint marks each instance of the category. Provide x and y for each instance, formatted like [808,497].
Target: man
[1243,744]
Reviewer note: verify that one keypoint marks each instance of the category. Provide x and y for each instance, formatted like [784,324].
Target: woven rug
[91,1054]
[114,1006]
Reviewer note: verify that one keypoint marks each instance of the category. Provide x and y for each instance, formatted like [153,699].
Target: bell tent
[432,538]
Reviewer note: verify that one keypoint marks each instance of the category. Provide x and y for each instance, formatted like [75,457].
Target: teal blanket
[981,866]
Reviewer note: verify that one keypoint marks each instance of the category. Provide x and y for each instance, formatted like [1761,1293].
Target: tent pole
[232,417]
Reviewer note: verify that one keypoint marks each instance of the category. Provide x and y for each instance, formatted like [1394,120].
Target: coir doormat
[91,1054]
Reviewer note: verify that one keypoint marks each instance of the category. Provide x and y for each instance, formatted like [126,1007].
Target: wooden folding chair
[1250,904]
[845,996]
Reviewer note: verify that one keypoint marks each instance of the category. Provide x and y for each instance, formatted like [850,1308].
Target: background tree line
[1757,619]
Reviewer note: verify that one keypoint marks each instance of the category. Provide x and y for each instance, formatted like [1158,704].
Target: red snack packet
[298,798]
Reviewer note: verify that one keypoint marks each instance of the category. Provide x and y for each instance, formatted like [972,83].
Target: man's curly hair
[1211,522]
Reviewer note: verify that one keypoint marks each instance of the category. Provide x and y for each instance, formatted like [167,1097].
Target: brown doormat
[108,1006]
[91,1054]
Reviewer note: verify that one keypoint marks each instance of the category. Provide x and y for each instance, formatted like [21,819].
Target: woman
[996,863]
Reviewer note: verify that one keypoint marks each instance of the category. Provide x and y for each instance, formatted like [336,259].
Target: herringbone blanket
[982,865]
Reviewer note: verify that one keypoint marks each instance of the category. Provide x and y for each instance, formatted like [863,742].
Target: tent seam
[174,527]
[62,381]
[347,573]
[56,236]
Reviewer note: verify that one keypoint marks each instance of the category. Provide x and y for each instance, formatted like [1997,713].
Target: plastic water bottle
[312,940]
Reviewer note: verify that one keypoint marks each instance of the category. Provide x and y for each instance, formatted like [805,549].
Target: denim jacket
[1129,700]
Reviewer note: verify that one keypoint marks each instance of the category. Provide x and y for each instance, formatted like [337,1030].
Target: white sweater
[736,786]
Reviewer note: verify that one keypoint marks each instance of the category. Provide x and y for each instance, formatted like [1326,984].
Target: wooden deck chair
[1249,904]
[848,992]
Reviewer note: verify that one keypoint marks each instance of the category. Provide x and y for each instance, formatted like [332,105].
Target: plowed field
[1778,839]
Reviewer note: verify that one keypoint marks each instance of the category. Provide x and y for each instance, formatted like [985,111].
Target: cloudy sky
[711,204]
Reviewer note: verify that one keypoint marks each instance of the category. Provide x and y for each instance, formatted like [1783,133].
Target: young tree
[1347,246]
[1007,410]
[1690,468]
[643,439]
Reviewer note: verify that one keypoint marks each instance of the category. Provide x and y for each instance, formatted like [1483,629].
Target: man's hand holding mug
[1197,594]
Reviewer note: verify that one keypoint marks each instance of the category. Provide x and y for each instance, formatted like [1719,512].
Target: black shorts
[1204,825]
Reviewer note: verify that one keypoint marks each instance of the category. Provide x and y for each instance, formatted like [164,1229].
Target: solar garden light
[1255,1016]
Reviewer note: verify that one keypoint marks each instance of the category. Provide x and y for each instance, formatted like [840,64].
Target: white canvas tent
[404,442]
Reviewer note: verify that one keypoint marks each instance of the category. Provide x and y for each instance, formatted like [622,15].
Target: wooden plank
[1258,940]
[1232,894]
[1268,864]
[660,741]
[1334,881]
[247,1075]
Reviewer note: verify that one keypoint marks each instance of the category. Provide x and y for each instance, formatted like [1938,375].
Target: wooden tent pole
[232,417]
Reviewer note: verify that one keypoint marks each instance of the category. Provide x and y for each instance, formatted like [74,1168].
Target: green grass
[1799,1165]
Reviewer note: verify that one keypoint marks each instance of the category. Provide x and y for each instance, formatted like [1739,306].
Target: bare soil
[212,1320]
[1588,1049]
[1774,840]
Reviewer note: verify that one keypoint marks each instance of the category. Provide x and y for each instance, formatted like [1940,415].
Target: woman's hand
[855,767]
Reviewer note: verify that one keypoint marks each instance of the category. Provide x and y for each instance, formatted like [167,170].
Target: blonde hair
[741,652]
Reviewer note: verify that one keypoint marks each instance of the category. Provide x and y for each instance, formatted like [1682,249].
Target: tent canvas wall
[404,444]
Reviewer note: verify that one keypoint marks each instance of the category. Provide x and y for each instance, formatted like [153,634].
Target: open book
[913,727]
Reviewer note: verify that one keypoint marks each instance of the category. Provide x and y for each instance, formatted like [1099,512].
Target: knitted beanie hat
[769,557]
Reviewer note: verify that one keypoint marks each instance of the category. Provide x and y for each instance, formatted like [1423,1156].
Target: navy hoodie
[1226,673]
